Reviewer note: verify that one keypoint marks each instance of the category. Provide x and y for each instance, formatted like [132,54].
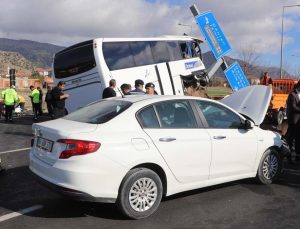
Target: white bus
[87,67]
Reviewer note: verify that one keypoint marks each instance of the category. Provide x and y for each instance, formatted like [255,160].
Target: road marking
[21,212]
[15,150]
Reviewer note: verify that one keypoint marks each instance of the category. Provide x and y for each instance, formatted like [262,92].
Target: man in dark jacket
[293,115]
[49,101]
[41,101]
[110,91]
[139,85]
[59,98]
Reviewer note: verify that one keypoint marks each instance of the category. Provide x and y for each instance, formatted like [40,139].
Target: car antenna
[123,96]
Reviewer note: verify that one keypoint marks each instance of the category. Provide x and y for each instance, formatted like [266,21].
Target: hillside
[39,54]
[14,60]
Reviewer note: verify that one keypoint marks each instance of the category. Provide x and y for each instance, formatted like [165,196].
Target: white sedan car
[134,150]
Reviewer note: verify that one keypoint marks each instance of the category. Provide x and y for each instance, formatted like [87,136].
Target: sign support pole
[221,62]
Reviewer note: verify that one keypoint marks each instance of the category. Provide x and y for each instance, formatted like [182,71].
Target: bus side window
[141,51]
[160,51]
[174,50]
[118,55]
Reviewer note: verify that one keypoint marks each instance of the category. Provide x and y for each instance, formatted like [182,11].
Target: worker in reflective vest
[35,98]
[10,98]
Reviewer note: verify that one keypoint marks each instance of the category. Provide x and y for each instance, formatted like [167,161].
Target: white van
[87,67]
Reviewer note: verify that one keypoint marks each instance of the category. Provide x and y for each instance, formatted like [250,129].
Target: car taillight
[77,147]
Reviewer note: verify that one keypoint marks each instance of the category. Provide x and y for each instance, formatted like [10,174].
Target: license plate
[44,144]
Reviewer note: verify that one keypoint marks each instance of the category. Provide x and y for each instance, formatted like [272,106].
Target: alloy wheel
[270,166]
[143,194]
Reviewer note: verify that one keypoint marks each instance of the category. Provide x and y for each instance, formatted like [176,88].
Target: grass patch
[218,91]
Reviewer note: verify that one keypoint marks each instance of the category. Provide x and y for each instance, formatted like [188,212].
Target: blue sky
[174,2]
[248,24]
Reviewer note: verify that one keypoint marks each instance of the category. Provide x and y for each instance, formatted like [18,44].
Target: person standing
[139,85]
[266,80]
[22,103]
[110,91]
[41,101]
[10,98]
[293,116]
[35,99]
[49,101]
[125,88]
[150,89]
[59,98]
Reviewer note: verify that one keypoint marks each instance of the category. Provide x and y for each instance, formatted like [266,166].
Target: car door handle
[219,137]
[167,139]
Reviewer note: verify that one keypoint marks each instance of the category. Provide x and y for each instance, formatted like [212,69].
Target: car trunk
[46,148]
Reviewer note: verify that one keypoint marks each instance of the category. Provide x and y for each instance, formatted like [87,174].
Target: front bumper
[285,150]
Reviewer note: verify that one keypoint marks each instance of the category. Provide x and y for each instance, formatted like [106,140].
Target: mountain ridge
[40,54]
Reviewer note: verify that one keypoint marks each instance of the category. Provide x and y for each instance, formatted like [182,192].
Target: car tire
[140,193]
[269,167]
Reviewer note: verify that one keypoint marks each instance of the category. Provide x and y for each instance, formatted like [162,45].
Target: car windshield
[99,112]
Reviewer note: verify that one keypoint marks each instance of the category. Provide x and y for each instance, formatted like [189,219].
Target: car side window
[175,114]
[147,118]
[218,116]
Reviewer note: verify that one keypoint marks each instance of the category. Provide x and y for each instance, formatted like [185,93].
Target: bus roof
[124,39]
[160,38]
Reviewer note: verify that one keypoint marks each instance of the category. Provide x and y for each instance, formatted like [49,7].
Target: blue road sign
[236,77]
[213,34]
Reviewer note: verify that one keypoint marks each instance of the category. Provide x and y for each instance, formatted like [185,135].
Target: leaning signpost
[220,47]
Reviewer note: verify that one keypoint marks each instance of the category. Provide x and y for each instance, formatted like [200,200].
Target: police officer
[10,98]
[139,85]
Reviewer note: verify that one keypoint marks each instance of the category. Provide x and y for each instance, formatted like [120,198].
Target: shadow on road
[19,190]
[26,120]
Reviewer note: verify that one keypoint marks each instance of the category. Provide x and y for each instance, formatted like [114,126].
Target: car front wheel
[269,167]
[140,193]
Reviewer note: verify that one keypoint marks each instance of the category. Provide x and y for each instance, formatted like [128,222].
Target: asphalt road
[240,204]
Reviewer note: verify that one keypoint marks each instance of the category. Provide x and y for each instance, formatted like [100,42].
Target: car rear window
[99,112]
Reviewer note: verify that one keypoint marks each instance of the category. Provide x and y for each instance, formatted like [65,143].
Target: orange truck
[281,90]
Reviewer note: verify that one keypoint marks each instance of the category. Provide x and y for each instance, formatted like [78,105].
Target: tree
[249,58]
[297,72]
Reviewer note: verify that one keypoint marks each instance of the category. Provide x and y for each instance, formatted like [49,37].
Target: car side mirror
[248,124]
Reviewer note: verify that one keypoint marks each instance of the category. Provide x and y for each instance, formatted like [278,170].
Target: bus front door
[165,81]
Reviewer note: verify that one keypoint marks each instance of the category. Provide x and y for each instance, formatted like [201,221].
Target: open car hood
[252,101]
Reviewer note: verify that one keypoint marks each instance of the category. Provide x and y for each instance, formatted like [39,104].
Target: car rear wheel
[140,193]
[269,167]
